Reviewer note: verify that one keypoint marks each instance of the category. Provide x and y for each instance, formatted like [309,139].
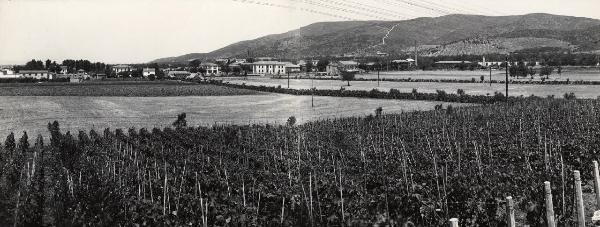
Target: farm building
[37,74]
[121,68]
[75,79]
[268,67]
[146,72]
[179,74]
[64,69]
[291,68]
[211,68]
[334,68]
[7,73]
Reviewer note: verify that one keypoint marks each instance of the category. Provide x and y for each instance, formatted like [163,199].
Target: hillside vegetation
[506,33]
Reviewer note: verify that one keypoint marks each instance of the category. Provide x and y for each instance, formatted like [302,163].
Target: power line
[456,10]
[341,9]
[368,8]
[441,12]
[294,8]
[383,9]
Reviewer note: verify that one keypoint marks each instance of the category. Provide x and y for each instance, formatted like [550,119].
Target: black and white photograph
[382,113]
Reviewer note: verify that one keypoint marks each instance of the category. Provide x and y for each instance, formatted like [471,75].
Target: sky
[138,31]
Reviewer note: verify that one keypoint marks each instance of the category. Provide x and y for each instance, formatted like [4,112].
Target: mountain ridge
[361,38]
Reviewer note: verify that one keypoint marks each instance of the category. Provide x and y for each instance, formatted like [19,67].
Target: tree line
[72,66]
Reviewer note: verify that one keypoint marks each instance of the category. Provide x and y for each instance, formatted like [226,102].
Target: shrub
[378,111]
[291,121]
[569,96]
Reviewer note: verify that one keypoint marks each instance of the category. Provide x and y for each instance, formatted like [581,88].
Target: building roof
[348,62]
[121,66]
[452,62]
[268,63]
[208,64]
[149,70]
[33,71]
[291,65]
[179,72]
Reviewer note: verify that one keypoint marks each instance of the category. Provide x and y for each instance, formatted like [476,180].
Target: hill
[446,35]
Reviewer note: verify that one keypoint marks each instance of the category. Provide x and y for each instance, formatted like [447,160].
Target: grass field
[33,113]
[119,88]
[585,91]
[567,73]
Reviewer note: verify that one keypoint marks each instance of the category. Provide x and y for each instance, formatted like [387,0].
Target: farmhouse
[291,68]
[179,74]
[268,67]
[64,69]
[37,74]
[334,68]
[146,72]
[211,68]
[7,73]
[121,68]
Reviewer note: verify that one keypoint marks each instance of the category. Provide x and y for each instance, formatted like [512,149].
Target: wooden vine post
[579,198]
[510,210]
[597,184]
[454,222]
[549,205]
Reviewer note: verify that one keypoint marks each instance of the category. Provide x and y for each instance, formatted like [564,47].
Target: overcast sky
[136,31]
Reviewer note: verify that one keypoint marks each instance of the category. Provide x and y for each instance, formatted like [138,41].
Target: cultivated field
[31,114]
[587,91]
[419,167]
[119,88]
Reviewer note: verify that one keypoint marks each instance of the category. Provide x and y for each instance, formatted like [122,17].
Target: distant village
[82,70]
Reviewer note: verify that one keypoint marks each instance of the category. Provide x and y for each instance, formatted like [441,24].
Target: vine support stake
[454,222]
[579,198]
[510,210]
[549,205]
[597,184]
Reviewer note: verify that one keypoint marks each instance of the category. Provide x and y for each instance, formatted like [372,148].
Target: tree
[180,122]
[322,65]
[151,77]
[9,143]
[24,143]
[519,70]
[531,71]
[546,71]
[48,64]
[308,66]
[347,75]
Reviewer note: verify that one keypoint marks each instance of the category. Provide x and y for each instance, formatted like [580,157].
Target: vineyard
[420,167]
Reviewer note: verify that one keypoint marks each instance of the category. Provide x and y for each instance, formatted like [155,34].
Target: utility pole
[288,80]
[506,82]
[312,95]
[490,75]
[416,55]
[378,76]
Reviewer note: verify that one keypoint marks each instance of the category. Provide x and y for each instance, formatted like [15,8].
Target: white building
[37,74]
[122,68]
[211,68]
[7,73]
[146,72]
[291,68]
[268,67]
[64,69]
